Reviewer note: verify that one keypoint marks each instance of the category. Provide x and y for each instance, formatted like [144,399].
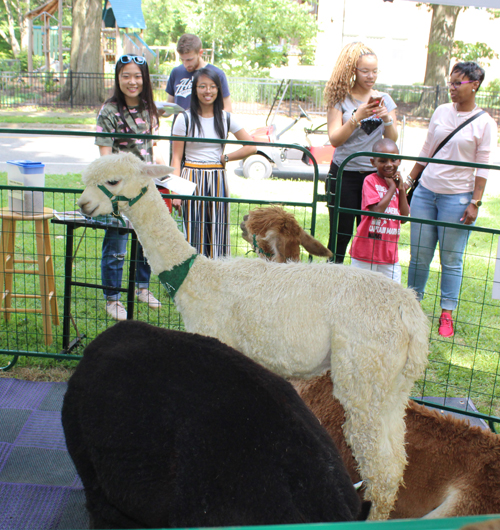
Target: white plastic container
[26,173]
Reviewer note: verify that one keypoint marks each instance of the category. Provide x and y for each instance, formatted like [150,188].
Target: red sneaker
[446,325]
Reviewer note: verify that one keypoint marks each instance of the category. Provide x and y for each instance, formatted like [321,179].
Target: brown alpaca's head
[276,235]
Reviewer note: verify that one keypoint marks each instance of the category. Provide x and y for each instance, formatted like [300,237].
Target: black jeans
[350,197]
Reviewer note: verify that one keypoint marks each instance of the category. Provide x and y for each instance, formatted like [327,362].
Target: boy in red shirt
[375,246]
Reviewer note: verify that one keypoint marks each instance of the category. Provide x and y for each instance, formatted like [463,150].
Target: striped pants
[206,223]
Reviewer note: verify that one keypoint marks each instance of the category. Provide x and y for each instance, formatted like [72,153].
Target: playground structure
[46,40]
[117,19]
[122,32]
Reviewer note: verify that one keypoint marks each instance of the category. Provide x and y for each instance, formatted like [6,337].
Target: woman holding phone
[357,116]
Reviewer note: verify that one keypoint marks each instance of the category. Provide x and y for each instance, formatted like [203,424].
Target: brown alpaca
[453,469]
[276,235]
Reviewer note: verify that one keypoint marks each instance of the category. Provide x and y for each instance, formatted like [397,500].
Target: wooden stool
[45,269]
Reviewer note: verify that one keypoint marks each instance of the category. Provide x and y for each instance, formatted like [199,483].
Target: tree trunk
[444,20]
[23,23]
[11,23]
[85,59]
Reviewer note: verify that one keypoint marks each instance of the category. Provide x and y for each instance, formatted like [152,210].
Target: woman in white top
[207,222]
[358,116]
[449,193]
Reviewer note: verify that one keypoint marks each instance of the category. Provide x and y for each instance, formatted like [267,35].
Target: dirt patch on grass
[31,373]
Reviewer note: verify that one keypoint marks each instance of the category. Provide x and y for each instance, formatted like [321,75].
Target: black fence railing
[249,95]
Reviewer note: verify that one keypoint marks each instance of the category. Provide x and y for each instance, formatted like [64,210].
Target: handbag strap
[447,139]
[452,134]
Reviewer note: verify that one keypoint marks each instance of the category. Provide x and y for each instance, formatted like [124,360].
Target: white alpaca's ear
[156,170]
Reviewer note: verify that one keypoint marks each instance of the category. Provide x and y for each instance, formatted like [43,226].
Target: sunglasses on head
[125,59]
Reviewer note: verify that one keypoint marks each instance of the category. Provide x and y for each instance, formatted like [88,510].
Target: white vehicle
[286,162]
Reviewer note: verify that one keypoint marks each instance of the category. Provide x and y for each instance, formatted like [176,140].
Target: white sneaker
[115,309]
[143,295]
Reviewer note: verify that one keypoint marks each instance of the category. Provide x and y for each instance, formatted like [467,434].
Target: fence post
[71,88]
[290,94]
[436,102]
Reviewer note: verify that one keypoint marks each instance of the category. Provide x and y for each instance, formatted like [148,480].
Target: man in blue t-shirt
[181,78]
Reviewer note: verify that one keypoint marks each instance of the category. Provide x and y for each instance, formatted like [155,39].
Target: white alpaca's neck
[164,245]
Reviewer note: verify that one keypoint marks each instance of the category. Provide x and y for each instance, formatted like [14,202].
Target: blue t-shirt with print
[180,84]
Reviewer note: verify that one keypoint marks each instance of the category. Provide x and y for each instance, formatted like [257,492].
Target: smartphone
[376,100]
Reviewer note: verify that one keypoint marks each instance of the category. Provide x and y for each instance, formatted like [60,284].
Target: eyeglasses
[125,59]
[211,88]
[368,72]
[457,84]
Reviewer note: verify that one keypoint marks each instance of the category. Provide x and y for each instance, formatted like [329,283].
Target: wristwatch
[226,159]
[476,203]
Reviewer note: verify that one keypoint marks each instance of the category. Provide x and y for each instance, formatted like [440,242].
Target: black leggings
[350,197]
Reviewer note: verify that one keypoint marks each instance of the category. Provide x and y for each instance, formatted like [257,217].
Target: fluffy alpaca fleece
[296,319]
[172,429]
[278,235]
[453,469]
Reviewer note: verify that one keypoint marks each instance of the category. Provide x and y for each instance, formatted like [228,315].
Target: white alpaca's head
[123,174]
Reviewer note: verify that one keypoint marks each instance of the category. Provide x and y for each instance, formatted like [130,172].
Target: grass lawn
[466,365]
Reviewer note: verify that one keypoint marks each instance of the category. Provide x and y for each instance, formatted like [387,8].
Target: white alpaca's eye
[112,182]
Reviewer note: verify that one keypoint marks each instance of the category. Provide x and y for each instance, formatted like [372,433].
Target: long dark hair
[218,104]
[146,100]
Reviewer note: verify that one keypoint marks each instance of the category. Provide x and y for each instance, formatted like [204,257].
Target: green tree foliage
[477,51]
[166,20]
[254,31]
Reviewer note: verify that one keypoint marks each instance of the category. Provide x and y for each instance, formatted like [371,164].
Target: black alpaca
[172,429]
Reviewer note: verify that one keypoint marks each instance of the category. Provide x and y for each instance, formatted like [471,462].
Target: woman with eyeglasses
[207,222]
[129,110]
[450,194]
[357,116]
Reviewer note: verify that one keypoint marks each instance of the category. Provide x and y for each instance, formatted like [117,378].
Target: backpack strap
[228,122]
[186,121]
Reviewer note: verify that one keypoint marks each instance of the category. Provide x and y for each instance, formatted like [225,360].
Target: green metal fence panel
[452,523]
[76,250]
[465,368]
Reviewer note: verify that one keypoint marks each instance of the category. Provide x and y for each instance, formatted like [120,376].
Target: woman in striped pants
[207,223]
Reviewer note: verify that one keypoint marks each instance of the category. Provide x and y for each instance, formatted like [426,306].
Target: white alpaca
[297,319]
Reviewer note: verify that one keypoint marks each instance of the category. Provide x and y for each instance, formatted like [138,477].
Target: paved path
[70,154]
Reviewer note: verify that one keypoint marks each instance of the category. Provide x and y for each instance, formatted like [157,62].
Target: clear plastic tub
[26,173]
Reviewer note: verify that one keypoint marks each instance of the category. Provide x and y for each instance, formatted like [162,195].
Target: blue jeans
[114,247]
[452,242]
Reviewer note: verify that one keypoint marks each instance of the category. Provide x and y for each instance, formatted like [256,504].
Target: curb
[54,127]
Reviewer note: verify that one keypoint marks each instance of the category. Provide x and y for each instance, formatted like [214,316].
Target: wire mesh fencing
[465,366]
[76,251]
[463,369]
